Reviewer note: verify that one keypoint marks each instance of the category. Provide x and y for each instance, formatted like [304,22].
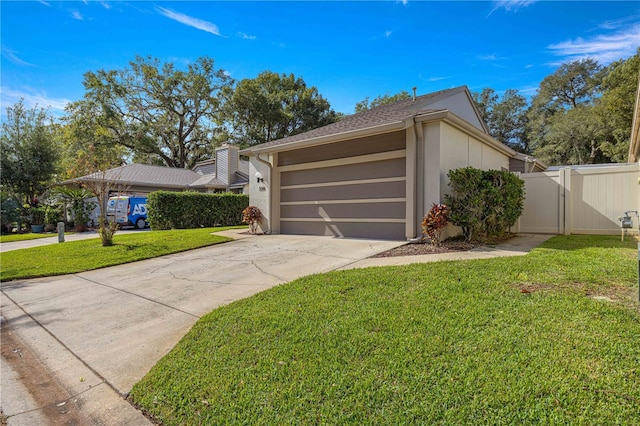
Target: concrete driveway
[93,335]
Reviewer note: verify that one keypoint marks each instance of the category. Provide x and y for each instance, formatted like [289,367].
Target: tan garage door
[347,189]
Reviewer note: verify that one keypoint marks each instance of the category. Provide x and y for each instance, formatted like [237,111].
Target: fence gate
[580,199]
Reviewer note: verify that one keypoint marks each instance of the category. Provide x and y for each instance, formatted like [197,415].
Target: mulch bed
[447,246]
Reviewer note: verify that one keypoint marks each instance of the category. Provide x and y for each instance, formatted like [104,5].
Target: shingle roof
[166,177]
[385,114]
[144,174]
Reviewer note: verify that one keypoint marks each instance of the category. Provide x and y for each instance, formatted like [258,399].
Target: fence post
[568,204]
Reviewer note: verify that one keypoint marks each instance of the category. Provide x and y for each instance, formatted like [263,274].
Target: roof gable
[457,100]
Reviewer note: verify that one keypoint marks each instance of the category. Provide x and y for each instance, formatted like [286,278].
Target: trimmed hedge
[182,210]
[485,203]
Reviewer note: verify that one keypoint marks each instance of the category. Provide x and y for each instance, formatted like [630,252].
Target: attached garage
[372,174]
[355,188]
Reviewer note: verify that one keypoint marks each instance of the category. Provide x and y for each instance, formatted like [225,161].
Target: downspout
[270,167]
[419,175]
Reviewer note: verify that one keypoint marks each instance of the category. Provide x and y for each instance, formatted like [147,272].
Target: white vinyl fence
[580,199]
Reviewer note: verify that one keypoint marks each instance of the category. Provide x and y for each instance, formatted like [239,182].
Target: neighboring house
[523,163]
[225,173]
[372,174]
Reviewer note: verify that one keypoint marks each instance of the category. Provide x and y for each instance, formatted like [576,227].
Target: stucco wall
[458,149]
[259,193]
[460,106]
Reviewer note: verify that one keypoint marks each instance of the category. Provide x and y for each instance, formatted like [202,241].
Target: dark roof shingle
[385,114]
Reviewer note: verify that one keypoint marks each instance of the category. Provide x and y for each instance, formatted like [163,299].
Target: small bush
[436,219]
[183,210]
[485,203]
[252,216]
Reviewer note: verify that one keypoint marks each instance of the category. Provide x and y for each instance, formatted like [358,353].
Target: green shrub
[9,211]
[182,210]
[485,203]
[52,214]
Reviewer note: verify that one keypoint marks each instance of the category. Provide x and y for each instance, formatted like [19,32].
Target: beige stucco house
[372,174]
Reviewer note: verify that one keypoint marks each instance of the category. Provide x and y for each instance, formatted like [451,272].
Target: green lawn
[548,338]
[23,237]
[84,255]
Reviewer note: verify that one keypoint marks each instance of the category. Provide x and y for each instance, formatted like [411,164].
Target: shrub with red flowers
[253,216]
[436,219]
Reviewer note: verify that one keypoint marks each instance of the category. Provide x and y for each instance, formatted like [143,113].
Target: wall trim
[344,182]
[356,201]
[341,220]
[380,156]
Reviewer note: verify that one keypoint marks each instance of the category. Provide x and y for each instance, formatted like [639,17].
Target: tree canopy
[505,116]
[385,99]
[273,106]
[156,109]
[30,152]
[581,113]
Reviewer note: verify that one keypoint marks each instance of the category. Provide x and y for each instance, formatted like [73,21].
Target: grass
[24,237]
[521,340]
[84,255]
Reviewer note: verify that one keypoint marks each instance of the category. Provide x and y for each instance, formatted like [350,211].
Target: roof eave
[321,140]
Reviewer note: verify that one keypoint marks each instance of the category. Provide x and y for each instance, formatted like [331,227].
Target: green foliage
[273,106]
[85,255]
[505,117]
[180,210]
[36,214]
[10,212]
[78,200]
[485,203]
[385,99]
[436,219]
[29,147]
[87,143]
[518,340]
[155,109]
[618,102]
[52,214]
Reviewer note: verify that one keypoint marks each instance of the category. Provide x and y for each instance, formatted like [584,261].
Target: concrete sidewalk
[519,245]
[78,343]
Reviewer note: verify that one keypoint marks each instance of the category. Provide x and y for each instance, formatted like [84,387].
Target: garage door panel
[395,210]
[385,231]
[370,170]
[362,146]
[345,192]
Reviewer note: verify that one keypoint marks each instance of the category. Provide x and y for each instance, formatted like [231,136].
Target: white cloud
[190,21]
[491,57]
[510,5]
[387,33]
[11,56]
[76,15]
[439,78]
[605,48]
[246,36]
[32,98]
[105,5]
[44,2]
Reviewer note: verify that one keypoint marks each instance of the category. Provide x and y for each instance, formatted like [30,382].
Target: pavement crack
[139,296]
[253,262]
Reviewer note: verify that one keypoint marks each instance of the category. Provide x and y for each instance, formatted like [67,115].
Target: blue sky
[348,50]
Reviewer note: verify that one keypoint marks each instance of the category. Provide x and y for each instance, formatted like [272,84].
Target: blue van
[128,211]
